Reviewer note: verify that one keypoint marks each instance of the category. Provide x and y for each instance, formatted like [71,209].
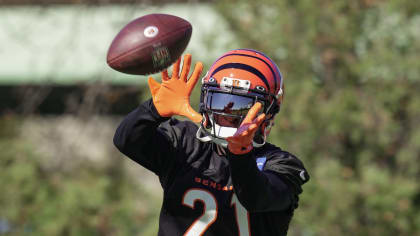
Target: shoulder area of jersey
[271,151]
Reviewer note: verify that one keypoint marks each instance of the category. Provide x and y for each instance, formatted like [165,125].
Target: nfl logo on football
[161,56]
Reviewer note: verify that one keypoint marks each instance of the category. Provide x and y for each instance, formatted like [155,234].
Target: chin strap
[257,145]
[265,134]
[264,137]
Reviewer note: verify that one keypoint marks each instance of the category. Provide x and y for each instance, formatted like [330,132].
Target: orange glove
[172,96]
[241,141]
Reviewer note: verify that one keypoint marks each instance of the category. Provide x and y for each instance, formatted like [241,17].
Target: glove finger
[165,75]
[175,68]
[251,131]
[194,77]
[245,134]
[259,120]
[252,113]
[253,127]
[186,67]
[154,86]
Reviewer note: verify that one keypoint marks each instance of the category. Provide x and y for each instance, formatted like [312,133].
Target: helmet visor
[228,110]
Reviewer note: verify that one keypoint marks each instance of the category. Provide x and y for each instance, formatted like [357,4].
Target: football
[149,44]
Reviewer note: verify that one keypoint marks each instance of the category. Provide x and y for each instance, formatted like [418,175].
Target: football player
[220,177]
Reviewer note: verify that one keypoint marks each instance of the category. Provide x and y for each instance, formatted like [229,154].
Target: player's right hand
[241,142]
[172,96]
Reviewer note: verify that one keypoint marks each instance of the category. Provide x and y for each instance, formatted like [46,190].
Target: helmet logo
[233,83]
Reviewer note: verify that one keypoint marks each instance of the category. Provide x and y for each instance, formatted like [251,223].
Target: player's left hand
[172,96]
[241,141]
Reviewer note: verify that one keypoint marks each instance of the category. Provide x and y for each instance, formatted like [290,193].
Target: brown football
[149,44]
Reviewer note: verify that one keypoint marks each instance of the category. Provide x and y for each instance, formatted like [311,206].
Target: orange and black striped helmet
[234,82]
[250,65]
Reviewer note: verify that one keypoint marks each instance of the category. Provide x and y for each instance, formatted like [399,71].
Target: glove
[241,141]
[172,96]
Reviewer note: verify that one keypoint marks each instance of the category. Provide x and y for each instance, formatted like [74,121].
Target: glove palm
[241,141]
[172,96]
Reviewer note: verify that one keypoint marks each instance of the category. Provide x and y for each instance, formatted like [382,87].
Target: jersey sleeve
[146,138]
[290,169]
[275,188]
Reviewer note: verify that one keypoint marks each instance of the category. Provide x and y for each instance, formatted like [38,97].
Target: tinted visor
[228,109]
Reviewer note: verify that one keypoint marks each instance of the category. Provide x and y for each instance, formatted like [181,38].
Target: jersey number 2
[209,215]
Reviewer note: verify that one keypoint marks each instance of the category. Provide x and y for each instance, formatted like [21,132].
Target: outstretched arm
[140,137]
[273,189]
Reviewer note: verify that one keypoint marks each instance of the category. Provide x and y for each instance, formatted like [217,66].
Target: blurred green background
[351,111]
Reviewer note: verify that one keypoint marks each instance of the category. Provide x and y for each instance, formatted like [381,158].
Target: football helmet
[234,83]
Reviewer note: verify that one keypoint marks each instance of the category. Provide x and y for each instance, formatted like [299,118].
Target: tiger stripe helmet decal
[248,64]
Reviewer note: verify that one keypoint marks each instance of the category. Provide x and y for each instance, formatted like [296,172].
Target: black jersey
[206,193]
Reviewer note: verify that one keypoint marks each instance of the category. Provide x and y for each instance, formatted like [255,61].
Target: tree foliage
[89,199]
[352,76]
